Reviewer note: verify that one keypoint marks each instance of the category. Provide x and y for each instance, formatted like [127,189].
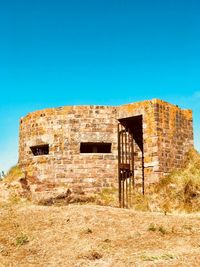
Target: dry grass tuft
[181,190]
[22,239]
[91,255]
[107,197]
[14,174]
[11,191]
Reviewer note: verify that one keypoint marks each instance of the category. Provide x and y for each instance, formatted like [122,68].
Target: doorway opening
[130,158]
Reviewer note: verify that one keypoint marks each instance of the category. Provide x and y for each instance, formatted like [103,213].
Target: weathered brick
[167,137]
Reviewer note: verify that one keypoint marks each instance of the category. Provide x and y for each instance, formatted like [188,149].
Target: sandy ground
[89,235]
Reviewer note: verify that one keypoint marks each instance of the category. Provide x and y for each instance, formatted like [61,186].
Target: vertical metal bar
[122,132]
[119,160]
[123,188]
[125,167]
[133,161]
[122,168]
[129,162]
[142,171]
[142,158]
[125,144]
[126,189]
[125,160]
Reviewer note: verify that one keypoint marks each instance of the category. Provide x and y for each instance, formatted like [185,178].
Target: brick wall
[167,136]
[64,129]
[175,135]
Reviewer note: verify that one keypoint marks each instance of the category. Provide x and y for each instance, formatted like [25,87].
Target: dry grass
[13,174]
[10,187]
[107,197]
[89,235]
[181,190]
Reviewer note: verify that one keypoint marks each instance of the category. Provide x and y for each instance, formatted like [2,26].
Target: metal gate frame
[126,166]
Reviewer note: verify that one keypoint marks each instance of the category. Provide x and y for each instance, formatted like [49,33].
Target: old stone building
[87,148]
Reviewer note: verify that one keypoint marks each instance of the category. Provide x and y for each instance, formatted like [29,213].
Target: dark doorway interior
[134,126]
[130,158]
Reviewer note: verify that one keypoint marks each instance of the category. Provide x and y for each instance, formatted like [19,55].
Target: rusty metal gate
[126,175]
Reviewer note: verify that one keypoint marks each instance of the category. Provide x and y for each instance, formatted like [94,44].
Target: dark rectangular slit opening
[95,147]
[40,150]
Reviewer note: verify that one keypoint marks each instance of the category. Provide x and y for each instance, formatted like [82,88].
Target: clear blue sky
[72,52]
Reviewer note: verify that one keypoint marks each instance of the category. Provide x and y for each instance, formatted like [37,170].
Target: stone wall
[64,129]
[175,135]
[167,136]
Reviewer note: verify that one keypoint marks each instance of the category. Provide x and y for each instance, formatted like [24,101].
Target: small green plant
[149,257]
[22,239]
[107,196]
[173,229]
[14,198]
[166,256]
[107,240]
[162,230]
[187,227]
[87,231]
[152,227]
[140,202]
